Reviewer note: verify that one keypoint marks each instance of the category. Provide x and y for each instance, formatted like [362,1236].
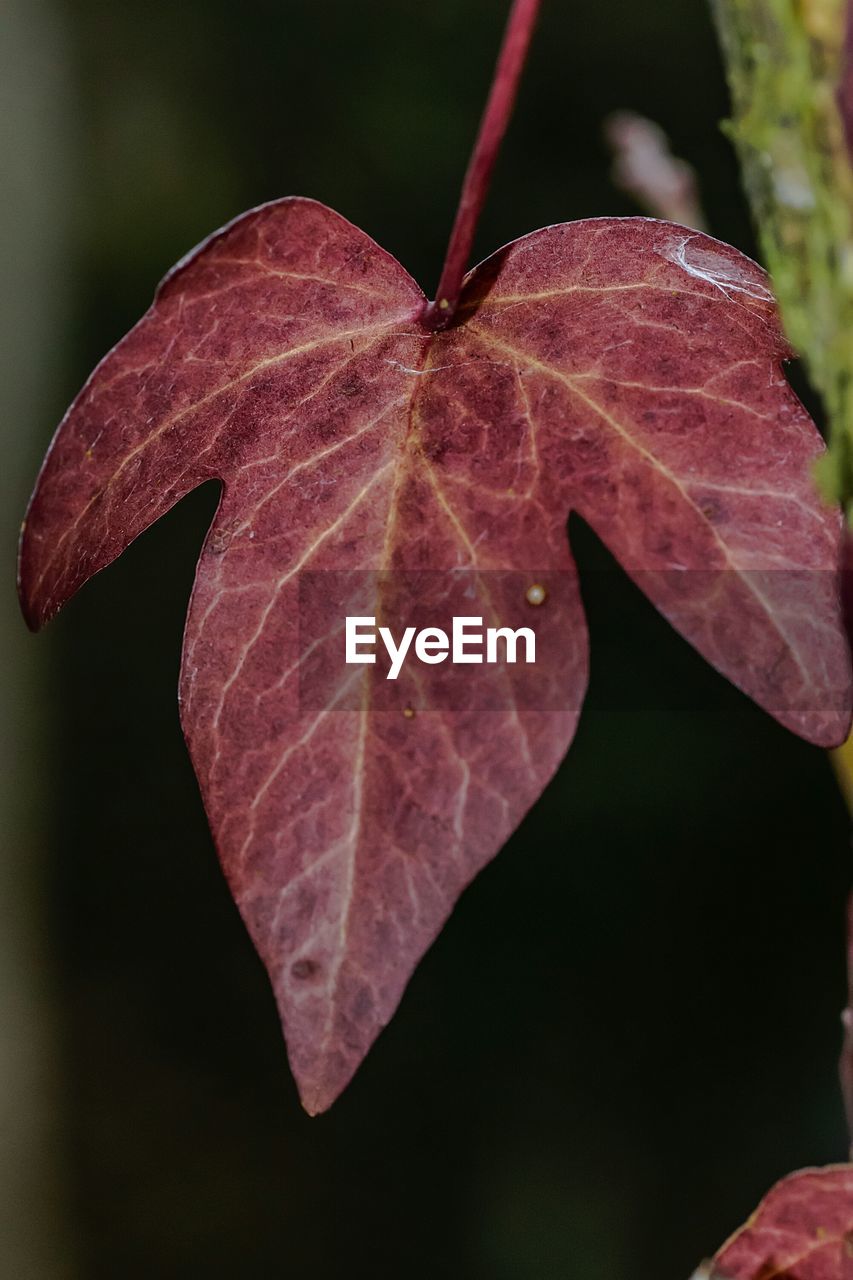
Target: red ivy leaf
[800,1231]
[627,369]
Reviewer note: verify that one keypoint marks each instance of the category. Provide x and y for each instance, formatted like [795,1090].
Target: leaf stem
[510,64]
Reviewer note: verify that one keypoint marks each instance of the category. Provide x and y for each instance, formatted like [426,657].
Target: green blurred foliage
[629,1027]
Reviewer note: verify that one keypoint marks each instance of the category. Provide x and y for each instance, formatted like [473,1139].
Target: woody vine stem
[493,126]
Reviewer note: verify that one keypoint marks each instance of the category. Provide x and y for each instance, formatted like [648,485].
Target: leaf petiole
[493,126]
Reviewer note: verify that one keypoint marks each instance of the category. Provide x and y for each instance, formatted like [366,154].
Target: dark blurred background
[629,1028]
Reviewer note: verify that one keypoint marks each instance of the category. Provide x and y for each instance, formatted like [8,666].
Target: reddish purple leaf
[626,369]
[801,1231]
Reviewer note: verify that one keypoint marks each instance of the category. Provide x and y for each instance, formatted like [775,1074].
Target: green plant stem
[785,61]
